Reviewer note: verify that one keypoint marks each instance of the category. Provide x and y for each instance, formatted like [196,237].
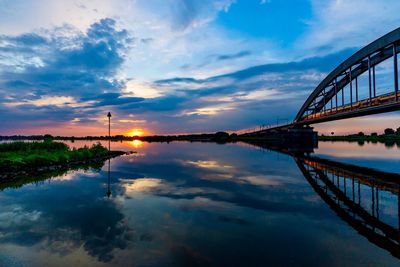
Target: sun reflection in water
[136,143]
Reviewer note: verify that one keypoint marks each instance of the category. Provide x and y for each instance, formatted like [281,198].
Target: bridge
[340,95]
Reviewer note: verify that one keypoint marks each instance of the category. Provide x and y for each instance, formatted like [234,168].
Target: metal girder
[352,114]
[363,60]
[356,72]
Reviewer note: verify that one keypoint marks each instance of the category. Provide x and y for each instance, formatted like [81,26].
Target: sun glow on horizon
[136,132]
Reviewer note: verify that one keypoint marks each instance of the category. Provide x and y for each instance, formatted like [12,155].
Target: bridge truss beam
[331,89]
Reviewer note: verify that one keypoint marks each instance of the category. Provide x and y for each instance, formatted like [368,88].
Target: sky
[177,66]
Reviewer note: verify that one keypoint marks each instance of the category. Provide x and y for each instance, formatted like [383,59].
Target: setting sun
[135,132]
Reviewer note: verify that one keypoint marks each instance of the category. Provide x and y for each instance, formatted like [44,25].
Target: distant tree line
[219,136]
[386,132]
[389,137]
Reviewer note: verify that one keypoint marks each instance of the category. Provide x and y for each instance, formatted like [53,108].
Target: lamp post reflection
[109,149]
[108,179]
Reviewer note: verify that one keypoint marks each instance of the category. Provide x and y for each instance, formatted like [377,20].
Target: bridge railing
[381,100]
[261,129]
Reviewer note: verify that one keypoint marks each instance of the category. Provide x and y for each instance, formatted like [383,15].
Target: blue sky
[176,66]
[252,17]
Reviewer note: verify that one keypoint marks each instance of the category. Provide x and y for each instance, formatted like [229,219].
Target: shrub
[389,131]
[16,155]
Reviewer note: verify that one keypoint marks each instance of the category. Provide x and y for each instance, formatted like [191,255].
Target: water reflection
[42,176]
[354,193]
[340,187]
[108,193]
[136,143]
[192,204]
[351,150]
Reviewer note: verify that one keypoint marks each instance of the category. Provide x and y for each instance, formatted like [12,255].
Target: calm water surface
[204,204]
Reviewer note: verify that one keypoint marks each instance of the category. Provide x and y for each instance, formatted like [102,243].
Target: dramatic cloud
[235,100]
[171,66]
[231,101]
[61,63]
[62,71]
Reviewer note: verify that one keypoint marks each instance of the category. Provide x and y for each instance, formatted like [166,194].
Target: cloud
[234,56]
[81,65]
[57,75]
[233,100]
[339,24]
[59,101]
[184,104]
[191,13]
[31,39]
[210,111]
[211,59]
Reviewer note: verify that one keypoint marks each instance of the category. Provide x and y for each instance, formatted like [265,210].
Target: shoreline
[12,175]
[18,159]
[361,138]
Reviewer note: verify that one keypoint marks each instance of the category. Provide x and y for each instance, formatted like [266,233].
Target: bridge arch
[316,108]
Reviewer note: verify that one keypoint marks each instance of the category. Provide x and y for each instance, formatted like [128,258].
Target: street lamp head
[109,115]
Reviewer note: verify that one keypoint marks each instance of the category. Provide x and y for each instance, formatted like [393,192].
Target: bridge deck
[375,105]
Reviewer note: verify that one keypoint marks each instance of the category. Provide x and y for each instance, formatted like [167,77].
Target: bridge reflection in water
[355,193]
[340,185]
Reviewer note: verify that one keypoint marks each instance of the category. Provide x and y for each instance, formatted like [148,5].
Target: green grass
[17,156]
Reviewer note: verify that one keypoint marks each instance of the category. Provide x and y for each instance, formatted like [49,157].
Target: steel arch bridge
[327,101]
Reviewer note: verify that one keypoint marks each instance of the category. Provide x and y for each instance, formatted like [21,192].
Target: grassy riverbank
[23,156]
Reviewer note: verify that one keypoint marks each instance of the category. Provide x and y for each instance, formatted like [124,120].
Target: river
[207,204]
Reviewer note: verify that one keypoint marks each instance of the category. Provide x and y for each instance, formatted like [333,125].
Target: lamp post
[109,130]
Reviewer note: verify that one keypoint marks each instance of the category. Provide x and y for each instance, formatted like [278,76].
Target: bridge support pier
[295,138]
[304,136]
